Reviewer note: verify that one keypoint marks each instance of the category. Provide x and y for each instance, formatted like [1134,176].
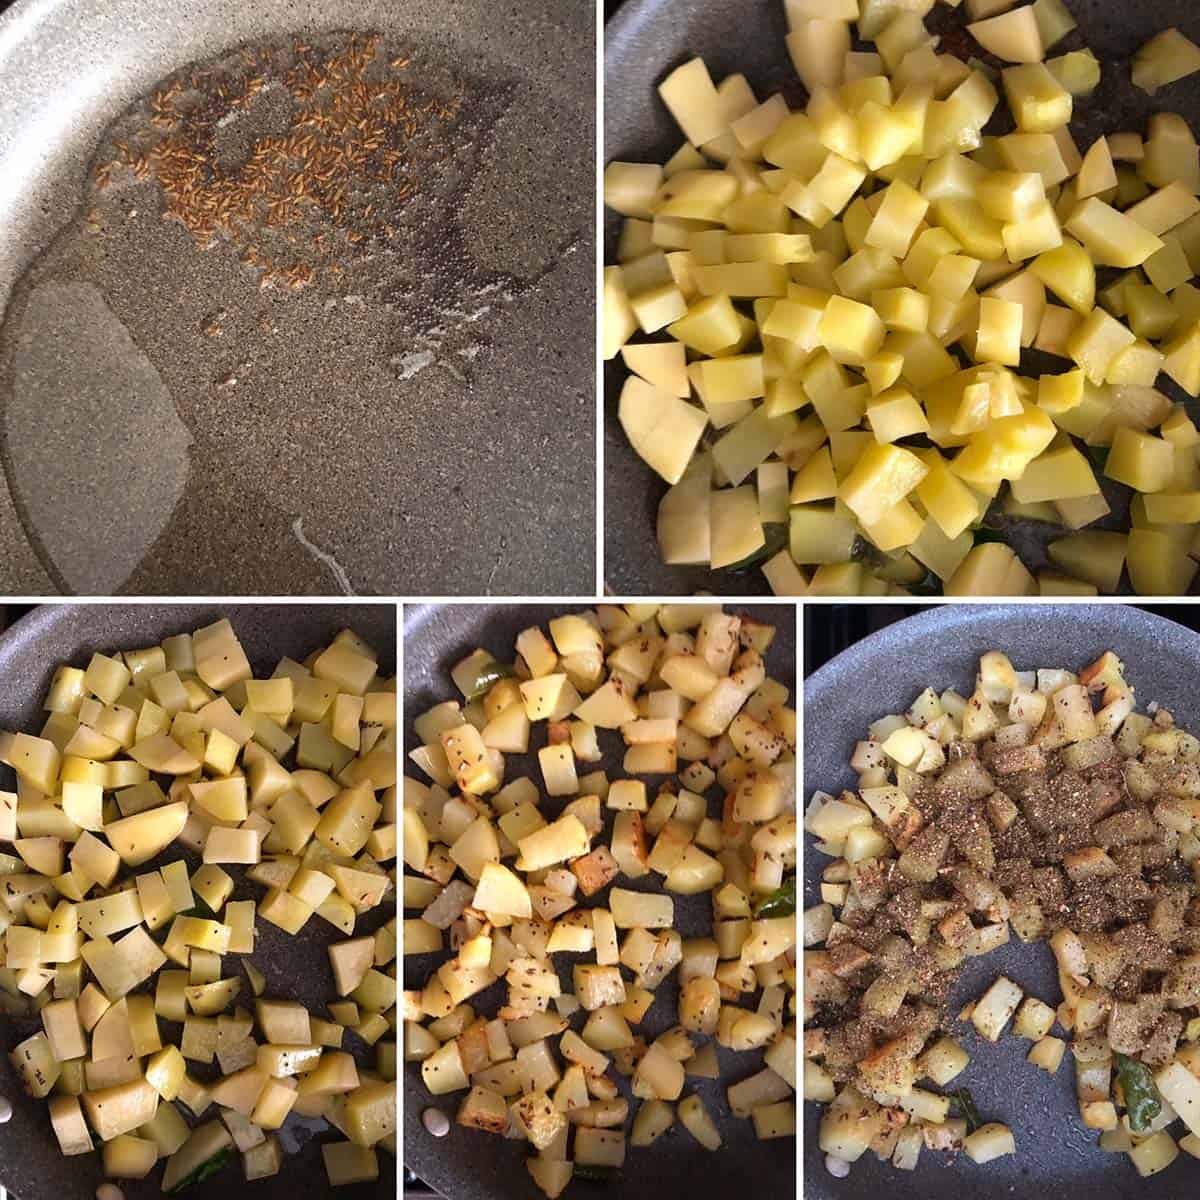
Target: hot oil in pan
[208,370]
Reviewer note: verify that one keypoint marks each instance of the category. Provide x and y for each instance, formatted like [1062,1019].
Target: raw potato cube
[620,323]
[141,837]
[1039,103]
[850,331]
[263,1160]
[881,478]
[351,960]
[121,1109]
[1165,58]
[1012,36]
[690,96]
[60,1018]
[1140,460]
[1114,238]
[128,1157]
[664,429]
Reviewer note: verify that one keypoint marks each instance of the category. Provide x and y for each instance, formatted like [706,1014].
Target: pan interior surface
[467,1165]
[648,38]
[263,430]
[882,674]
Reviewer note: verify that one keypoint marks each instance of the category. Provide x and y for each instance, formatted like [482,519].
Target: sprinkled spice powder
[297,202]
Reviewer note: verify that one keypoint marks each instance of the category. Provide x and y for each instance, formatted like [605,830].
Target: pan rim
[948,617]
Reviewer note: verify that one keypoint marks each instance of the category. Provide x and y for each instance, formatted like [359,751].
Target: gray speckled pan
[31,1166]
[468,1165]
[882,674]
[648,38]
[408,434]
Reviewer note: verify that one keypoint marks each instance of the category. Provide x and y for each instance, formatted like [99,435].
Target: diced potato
[1047,1053]
[1154,1154]
[994,1008]
[1012,36]
[696,1120]
[346,1163]
[988,1142]
[1167,57]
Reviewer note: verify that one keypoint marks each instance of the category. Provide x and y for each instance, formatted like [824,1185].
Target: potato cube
[850,331]
[1034,1019]
[998,338]
[1140,460]
[1165,58]
[1114,239]
[995,1007]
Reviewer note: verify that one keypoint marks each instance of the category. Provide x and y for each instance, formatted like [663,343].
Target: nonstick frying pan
[648,38]
[31,1165]
[168,427]
[882,674]
[469,1165]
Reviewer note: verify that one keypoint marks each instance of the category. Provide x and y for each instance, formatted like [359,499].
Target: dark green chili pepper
[780,903]
[205,1170]
[1142,1099]
[986,533]
[966,1106]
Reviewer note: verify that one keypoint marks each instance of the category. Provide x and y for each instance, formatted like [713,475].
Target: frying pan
[648,38]
[352,436]
[883,673]
[31,1165]
[469,1165]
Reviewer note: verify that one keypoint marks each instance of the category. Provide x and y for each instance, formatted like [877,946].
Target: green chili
[1142,1099]
[205,1170]
[966,1105]
[780,903]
